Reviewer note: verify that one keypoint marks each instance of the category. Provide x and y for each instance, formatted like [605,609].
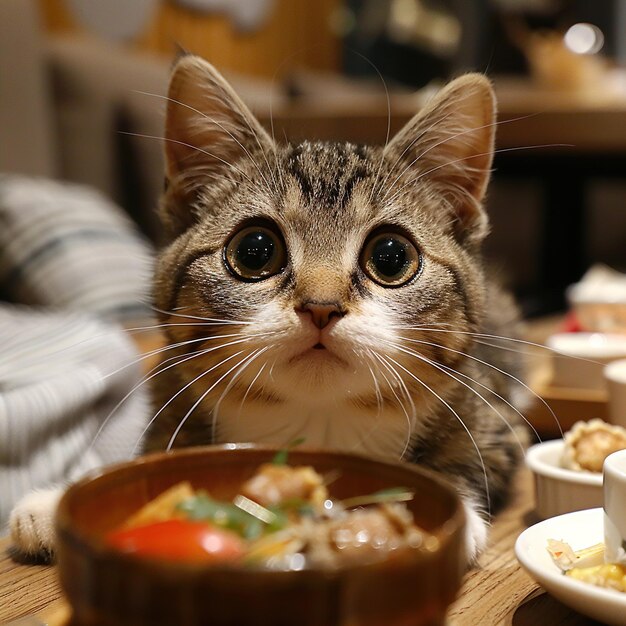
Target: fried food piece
[587,444]
[364,533]
[163,507]
[275,484]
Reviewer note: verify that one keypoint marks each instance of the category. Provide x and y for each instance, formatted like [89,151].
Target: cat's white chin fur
[476,531]
[32,522]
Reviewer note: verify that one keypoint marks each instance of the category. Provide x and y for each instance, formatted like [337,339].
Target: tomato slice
[179,540]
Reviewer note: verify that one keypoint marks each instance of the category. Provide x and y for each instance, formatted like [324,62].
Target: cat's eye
[390,259]
[255,253]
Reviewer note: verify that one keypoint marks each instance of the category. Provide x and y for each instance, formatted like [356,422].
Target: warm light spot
[584,39]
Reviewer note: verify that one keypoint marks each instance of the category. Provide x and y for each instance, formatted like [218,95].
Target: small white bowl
[614,472]
[578,359]
[559,490]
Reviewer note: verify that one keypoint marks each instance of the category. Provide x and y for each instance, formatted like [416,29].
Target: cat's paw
[476,531]
[32,522]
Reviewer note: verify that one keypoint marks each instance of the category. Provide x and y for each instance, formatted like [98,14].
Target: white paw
[476,531]
[32,522]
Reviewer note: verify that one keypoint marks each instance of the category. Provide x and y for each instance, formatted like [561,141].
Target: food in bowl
[106,586]
[588,565]
[282,517]
[587,444]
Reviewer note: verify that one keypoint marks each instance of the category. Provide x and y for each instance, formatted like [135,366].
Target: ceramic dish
[559,490]
[108,587]
[578,359]
[580,529]
[615,376]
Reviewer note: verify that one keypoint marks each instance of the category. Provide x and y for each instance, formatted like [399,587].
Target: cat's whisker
[221,126]
[151,353]
[461,422]
[276,168]
[449,372]
[497,369]
[540,346]
[149,376]
[232,381]
[195,148]
[140,329]
[441,143]
[415,180]
[271,374]
[410,419]
[380,401]
[186,386]
[197,317]
[40,359]
[416,139]
[553,351]
[382,156]
[497,395]
[245,395]
[379,404]
[201,398]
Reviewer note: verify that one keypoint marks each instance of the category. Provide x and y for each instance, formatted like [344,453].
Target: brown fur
[326,199]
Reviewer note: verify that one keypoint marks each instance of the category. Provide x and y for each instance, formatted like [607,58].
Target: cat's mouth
[318,351]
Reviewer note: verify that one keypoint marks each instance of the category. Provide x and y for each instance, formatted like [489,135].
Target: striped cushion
[61,377]
[79,263]
[67,247]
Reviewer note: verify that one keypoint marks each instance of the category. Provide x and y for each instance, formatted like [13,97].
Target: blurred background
[81,86]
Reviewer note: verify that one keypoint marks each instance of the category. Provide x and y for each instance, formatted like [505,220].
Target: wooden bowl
[108,588]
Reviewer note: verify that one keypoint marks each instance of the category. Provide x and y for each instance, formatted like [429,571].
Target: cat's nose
[322,312]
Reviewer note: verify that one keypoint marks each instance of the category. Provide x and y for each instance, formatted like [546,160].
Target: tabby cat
[332,291]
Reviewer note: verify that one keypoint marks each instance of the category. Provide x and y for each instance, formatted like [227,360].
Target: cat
[332,291]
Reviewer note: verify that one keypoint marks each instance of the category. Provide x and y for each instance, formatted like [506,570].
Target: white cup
[615,376]
[614,487]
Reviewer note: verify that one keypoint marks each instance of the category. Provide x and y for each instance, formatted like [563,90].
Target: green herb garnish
[393,494]
[281,457]
[243,516]
[224,514]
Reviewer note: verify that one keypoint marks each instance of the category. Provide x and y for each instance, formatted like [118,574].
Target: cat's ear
[208,128]
[451,143]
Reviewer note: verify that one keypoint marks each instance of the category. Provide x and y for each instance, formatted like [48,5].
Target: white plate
[559,490]
[581,530]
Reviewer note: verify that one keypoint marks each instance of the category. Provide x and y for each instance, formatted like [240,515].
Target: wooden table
[497,592]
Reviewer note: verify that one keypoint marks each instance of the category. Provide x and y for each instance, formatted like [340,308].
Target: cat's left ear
[450,142]
[208,131]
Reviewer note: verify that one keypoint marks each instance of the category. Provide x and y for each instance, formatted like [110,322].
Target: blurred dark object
[416,41]
[409,41]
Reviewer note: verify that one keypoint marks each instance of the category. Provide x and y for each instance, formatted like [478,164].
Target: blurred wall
[297,33]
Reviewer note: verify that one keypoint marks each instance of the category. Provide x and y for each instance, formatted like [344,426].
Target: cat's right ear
[208,129]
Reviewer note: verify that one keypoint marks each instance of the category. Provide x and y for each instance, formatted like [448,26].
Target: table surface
[496,592]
